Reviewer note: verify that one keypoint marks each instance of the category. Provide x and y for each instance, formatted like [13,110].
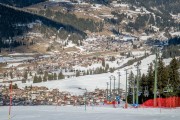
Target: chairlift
[139,93]
[146,93]
[157,92]
[130,93]
[165,91]
[168,89]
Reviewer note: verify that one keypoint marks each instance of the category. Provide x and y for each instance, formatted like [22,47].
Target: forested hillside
[21,3]
[71,19]
[14,22]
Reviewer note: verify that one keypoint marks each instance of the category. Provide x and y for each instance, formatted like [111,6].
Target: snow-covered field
[92,113]
[14,59]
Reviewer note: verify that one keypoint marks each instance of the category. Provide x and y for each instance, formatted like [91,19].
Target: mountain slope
[21,3]
[169,6]
[14,22]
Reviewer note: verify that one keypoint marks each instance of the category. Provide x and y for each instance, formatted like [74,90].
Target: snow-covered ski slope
[92,113]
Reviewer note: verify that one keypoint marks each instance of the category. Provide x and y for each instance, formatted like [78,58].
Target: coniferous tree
[50,77]
[131,79]
[100,70]
[107,67]
[11,75]
[77,73]
[174,75]
[143,86]
[90,72]
[112,70]
[61,76]
[30,73]
[35,79]
[15,86]
[103,63]
[44,78]
[55,76]
[4,74]
[162,76]
[46,73]
[150,80]
[39,79]
[25,75]
[23,80]
[87,72]
[84,73]
[143,82]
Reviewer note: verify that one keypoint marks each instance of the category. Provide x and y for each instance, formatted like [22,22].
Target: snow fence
[170,102]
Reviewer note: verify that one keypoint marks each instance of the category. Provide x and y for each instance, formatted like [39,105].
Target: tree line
[48,77]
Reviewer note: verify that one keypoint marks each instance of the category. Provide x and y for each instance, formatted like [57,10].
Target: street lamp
[84,97]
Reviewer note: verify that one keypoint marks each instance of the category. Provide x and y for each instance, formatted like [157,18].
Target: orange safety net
[163,102]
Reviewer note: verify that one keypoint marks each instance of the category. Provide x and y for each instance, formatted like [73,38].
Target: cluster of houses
[44,96]
[115,43]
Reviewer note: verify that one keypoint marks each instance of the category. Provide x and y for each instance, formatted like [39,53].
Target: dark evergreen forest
[168,81]
[21,3]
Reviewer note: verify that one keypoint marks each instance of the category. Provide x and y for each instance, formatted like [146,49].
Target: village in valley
[24,68]
[94,56]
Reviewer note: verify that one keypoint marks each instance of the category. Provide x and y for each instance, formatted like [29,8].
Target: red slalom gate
[10,104]
[110,103]
[170,102]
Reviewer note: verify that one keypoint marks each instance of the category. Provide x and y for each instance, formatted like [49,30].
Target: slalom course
[170,102]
